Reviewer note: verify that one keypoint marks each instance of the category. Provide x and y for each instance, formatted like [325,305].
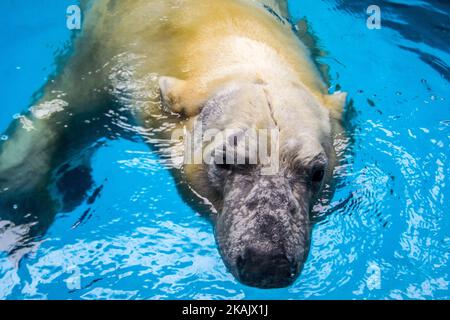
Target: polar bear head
[266,153]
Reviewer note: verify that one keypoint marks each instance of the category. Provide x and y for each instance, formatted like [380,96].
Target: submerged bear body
[178,64]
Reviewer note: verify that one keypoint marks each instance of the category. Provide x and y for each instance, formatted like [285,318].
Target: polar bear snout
[263,230]
[266,268]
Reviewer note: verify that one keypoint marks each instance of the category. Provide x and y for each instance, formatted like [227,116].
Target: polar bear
[177,64]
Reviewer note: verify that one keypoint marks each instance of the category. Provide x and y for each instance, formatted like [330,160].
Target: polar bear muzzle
[263,231]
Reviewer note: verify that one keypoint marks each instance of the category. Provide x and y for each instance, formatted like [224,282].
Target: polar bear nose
[266,269]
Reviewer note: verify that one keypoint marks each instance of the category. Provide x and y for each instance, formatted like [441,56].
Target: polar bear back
[189,38]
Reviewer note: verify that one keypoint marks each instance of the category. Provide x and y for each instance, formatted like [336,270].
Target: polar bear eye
[221,160]
[225,166]
[318,173]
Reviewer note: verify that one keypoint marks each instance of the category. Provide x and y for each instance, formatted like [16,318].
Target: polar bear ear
[171,93]
[336,102]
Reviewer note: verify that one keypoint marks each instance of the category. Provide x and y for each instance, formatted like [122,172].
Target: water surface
[386,234]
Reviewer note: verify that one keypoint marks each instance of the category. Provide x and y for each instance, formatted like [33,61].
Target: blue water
[386,234]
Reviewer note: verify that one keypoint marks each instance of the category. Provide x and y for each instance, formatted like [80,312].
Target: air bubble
[15,207]
[4,137]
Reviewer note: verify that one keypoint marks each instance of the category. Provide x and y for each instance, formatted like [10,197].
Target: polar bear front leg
[48,133]
[26,154]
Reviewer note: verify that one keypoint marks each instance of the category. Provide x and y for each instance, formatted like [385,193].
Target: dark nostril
[293,210]
[240,263]
[265,269]
[295,268]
